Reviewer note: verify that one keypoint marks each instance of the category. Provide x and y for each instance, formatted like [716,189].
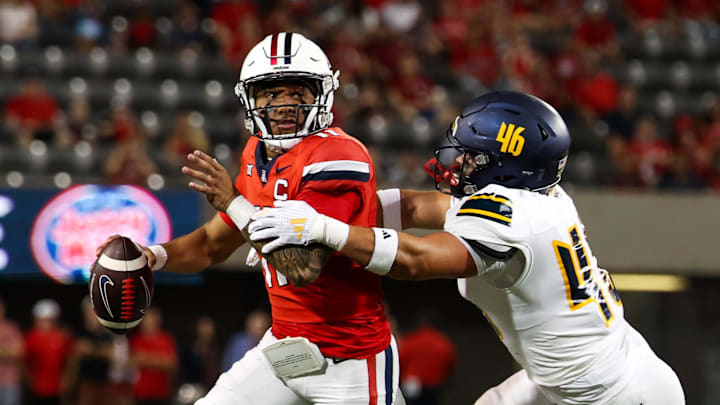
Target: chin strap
[281,145]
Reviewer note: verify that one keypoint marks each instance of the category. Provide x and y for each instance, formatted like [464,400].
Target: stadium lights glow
[650,282]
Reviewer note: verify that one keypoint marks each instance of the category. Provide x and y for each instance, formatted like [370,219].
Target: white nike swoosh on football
[103,292]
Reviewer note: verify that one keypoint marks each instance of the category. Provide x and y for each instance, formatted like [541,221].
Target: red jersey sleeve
[337,165]
[341,206]
[227,220]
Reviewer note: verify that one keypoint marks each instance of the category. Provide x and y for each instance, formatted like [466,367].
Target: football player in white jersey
[514,240]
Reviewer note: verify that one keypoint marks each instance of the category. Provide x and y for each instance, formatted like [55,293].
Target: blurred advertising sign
[68,229]
[49,234]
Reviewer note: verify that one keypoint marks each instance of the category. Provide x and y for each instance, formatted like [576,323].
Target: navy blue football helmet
[507,138]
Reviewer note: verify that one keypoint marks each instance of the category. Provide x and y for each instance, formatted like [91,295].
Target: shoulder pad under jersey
[494,214]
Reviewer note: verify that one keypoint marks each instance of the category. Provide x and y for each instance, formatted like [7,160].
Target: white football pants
[652,382]
[251,381]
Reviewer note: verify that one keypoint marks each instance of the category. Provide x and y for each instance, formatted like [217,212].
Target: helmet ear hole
[543,133]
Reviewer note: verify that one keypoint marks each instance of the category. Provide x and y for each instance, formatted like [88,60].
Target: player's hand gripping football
[291,222]
[151,259]
[217,185]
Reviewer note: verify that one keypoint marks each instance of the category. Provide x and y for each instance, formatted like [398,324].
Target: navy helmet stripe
[288,47]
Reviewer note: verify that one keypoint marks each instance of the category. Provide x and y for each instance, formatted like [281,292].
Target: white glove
[295,222]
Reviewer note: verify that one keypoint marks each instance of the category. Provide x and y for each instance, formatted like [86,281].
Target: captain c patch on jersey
[490,206]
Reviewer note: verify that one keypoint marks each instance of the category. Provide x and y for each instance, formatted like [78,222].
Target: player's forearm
[195,252]
[408,263]
[423,209]
[416,258]
[301,265]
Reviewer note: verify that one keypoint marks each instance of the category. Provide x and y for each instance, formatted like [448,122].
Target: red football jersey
[342,310]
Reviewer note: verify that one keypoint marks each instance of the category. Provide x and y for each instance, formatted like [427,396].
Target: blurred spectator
[597,91]
[200,362]
[237,28]
[89,28]
[711,136]
[229,13]
[622,120]
[154,354]
[647,12]
[408,171]
[11,356]
[187,137]
[256,324]
[129,163]
[32,113]
[681,176]
[411,88]
[91,358]
[596,32]
[47,350]
[121,373]
[650,154]
[519,61]
[142,28]
[57,22]
[451,26]
[282,17]
[236,46]
[427,359]
[18,23]
[78,120]
[400,16]
[478,56]
[120,126]
[187,32]
[692,162]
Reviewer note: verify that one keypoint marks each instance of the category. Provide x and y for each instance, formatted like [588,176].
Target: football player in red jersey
[330,341]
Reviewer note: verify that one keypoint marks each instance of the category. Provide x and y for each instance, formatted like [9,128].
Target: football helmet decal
[287,57]
[507,138]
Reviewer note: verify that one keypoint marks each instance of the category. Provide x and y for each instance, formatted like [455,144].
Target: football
[121,285]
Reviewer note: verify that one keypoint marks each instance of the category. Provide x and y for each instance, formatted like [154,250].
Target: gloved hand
[290,222]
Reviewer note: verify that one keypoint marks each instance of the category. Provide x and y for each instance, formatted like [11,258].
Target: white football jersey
[539,285]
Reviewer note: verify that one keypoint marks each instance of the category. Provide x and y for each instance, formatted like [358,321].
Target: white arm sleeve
[392,209]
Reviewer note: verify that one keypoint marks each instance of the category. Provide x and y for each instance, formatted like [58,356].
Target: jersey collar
[262,165]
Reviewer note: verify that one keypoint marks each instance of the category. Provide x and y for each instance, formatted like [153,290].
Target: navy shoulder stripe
[337,175]
[337,170]
[493,207]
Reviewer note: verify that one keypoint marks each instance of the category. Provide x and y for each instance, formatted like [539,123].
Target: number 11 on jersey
[281,279]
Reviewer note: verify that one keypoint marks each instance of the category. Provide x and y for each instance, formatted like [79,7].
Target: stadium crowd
[127,88]
[57,361]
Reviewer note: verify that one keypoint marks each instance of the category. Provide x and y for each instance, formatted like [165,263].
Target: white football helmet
[287,56]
